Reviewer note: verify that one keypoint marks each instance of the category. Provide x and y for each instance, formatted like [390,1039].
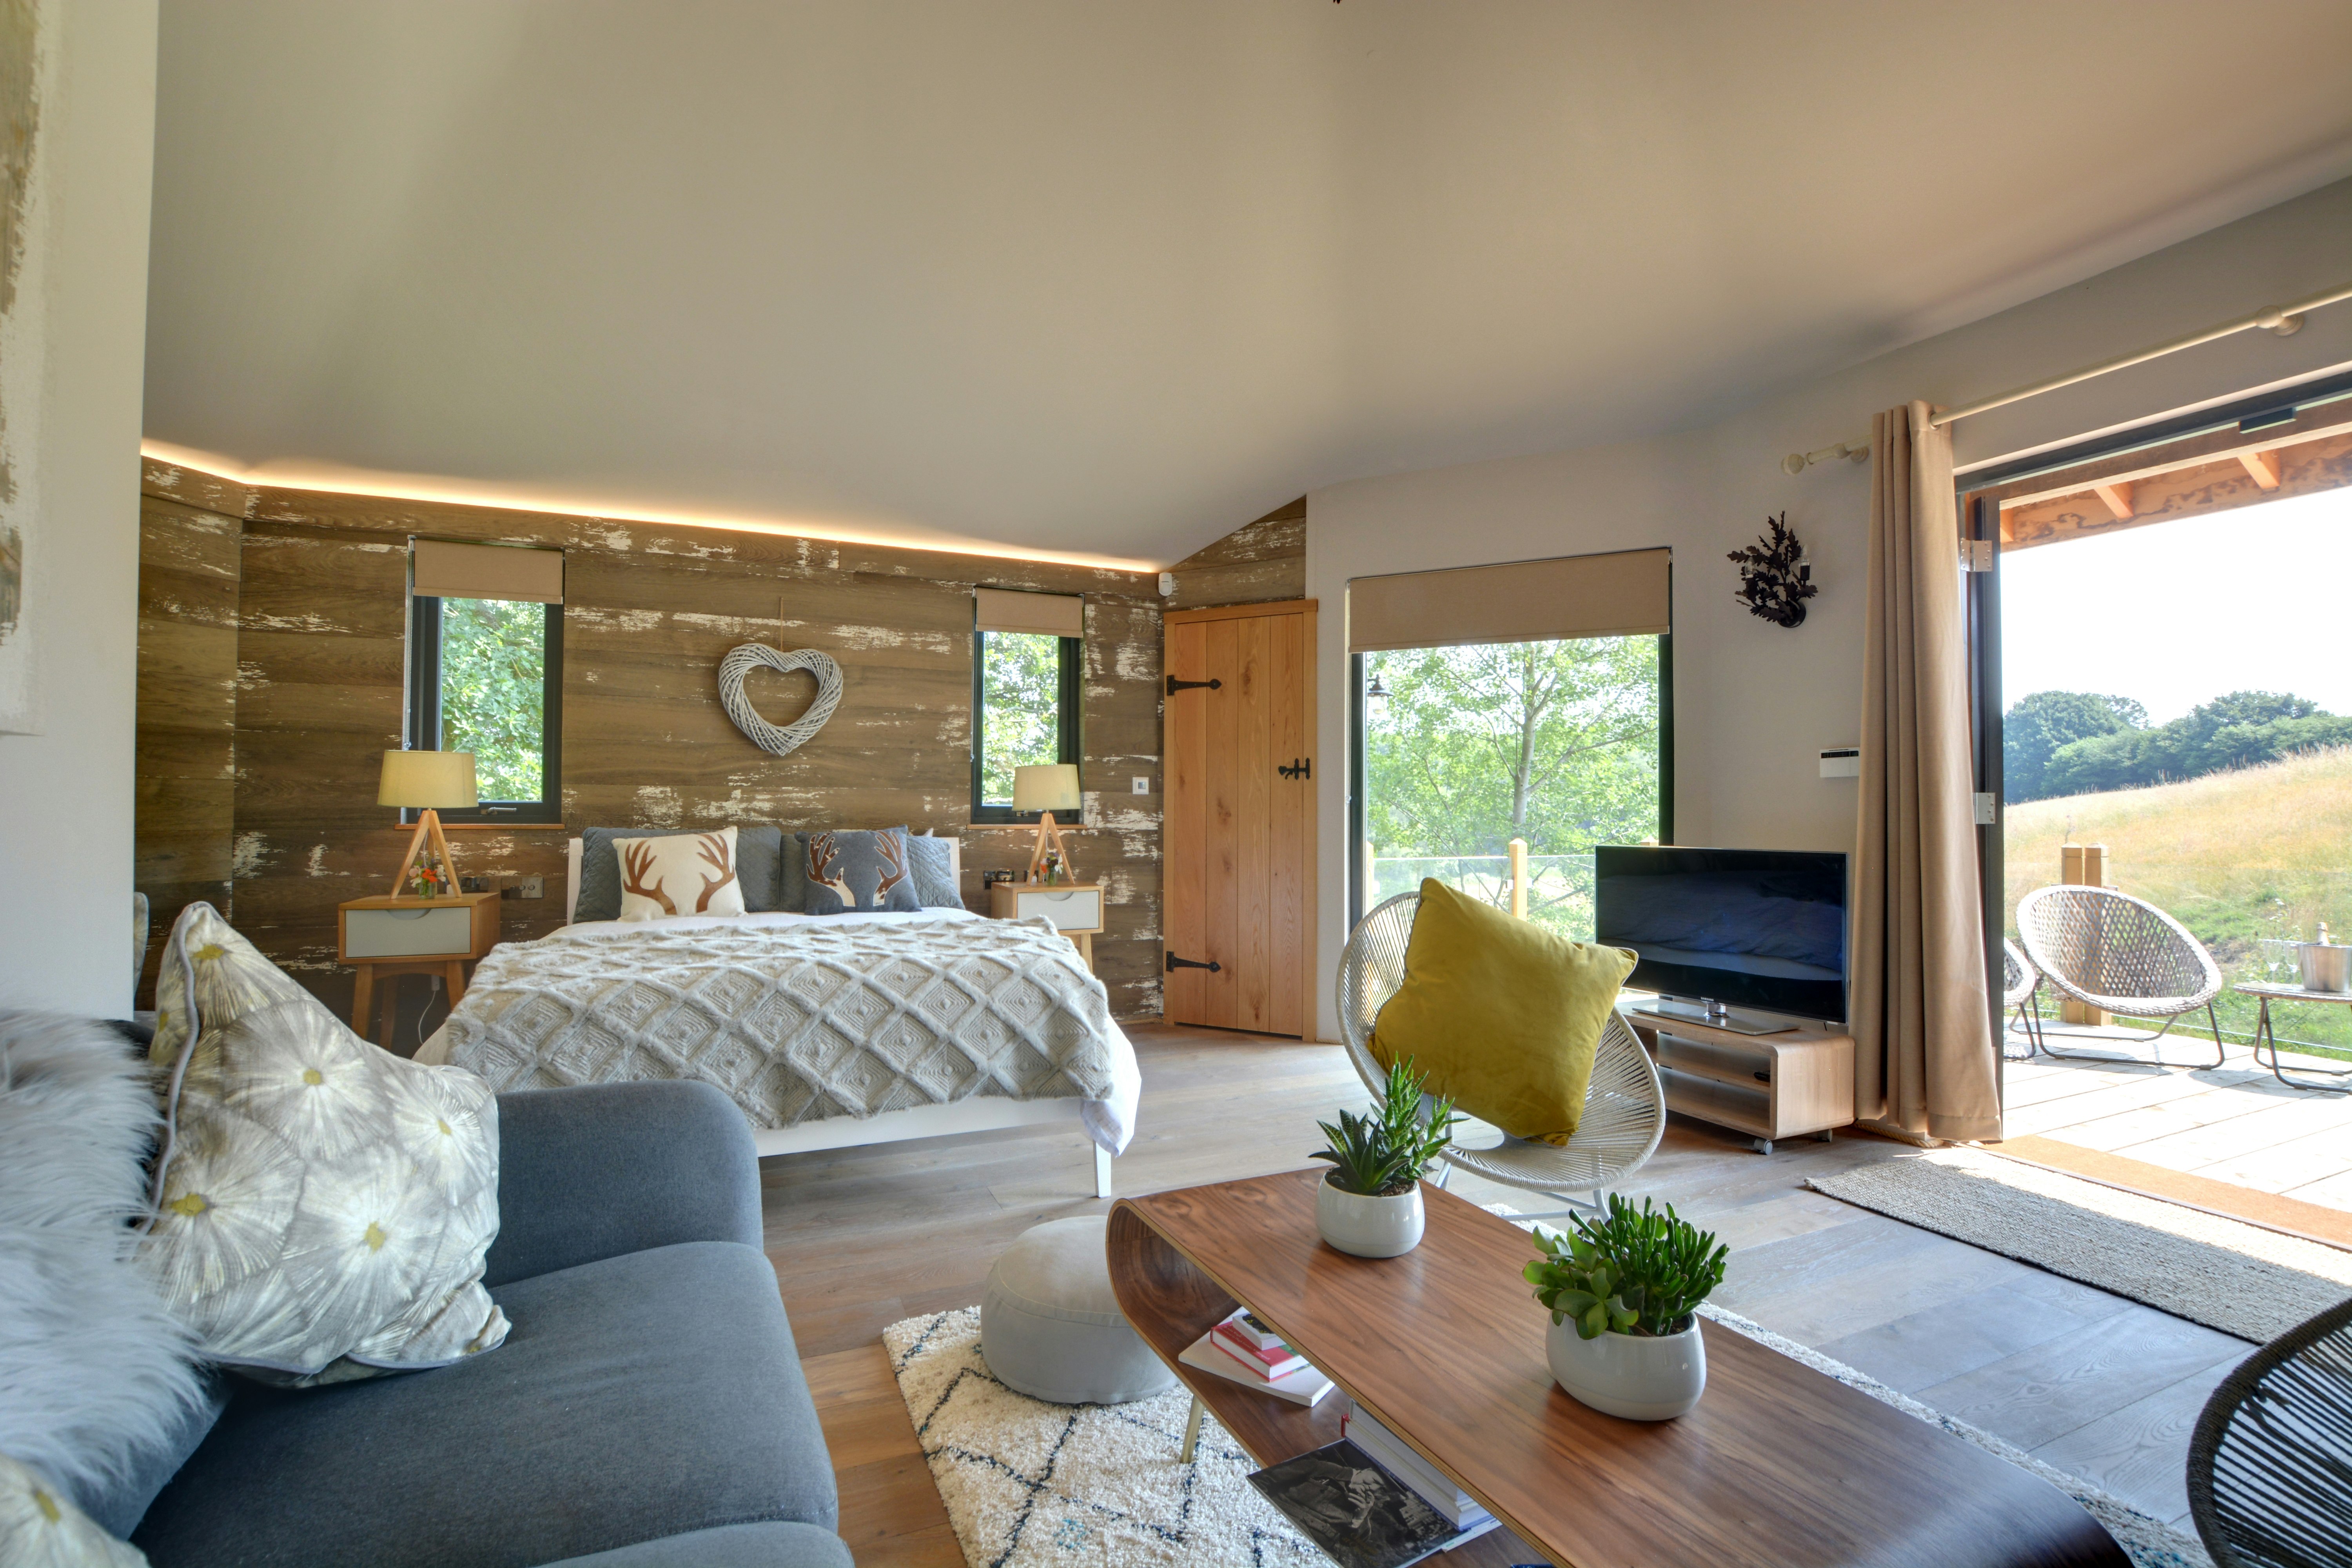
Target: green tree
[1021,707]
[1555,742]
[493,692]
[2032,731]
[2241,730]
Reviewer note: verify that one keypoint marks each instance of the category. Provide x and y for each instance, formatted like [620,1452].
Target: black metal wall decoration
[1774,579]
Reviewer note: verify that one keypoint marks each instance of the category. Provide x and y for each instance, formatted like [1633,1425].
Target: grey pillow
[848,870]
[759,855]
[934,877]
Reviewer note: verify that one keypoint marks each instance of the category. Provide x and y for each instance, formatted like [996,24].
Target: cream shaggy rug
[1028,1484]
[2240,1279]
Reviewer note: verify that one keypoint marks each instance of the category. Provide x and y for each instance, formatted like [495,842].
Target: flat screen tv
[1747,928]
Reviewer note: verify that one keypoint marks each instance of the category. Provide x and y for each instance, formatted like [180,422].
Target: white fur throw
[94,1371]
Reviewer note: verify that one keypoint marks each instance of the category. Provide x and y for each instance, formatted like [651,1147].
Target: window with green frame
[1025,711]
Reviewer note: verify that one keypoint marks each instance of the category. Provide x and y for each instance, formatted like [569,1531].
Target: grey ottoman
[1051,1329]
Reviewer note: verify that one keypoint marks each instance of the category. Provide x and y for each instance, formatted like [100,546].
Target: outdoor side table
[2265,996]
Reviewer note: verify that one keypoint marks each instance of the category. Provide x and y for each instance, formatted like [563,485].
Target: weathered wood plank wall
[185,739]
[649,609]
[1259,564]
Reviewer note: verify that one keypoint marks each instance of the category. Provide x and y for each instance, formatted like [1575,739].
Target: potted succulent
[1624,1292]
[1370,1201]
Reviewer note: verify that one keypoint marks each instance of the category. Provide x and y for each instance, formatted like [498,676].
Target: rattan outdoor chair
[1625,1108]
[2269,1462]
[2020,984]
[2119,954]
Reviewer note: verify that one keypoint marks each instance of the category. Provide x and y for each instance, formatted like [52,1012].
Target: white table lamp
[1049,787]
[427,780]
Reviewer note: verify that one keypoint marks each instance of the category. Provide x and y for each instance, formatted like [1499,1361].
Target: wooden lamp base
[1047,829]
[428,830]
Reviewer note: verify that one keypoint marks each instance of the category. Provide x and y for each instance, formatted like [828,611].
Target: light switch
[1141,786]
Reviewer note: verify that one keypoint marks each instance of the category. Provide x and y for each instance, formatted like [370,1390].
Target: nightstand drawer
[1070,909]
[408,933]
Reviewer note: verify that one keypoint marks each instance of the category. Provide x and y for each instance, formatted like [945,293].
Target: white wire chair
[1625,1108]
[2020,984]
[2118,954]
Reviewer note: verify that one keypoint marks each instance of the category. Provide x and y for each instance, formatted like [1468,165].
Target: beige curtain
[1923,1034]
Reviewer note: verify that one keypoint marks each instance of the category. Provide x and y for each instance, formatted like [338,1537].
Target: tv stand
[1716,1015]
[1795,1080]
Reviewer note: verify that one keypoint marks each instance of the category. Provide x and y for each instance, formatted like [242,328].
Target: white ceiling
[1107,280]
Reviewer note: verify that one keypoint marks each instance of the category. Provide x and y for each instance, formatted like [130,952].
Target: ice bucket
[2325,966]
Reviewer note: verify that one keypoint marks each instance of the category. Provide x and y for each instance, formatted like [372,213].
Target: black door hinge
[1175,964]
[1299,769]
[1175,686]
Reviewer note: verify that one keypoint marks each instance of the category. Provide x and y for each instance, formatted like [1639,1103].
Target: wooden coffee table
[1779,1467]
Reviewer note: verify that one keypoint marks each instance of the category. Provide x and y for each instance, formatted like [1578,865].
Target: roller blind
[445,571]
[1623,593]
[1046,614]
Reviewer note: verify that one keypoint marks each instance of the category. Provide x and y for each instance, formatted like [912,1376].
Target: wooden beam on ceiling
[2262,466]
[2200,490]
[2117,495]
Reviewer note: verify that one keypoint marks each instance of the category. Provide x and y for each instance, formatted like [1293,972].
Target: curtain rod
[2286,320]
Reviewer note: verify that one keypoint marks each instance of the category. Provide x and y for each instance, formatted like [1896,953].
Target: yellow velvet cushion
[1503,1015]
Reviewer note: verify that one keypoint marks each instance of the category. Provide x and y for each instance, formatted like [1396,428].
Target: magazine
[1361,1516]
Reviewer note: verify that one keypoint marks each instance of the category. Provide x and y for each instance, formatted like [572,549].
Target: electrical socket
[1141,785]
[528,888]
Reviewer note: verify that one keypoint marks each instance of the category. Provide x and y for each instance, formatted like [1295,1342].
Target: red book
[1269,1364]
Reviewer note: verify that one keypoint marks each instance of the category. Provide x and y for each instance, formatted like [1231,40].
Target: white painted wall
[65,794]
[1754,703]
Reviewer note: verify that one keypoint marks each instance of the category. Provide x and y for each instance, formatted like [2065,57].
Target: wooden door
[1240,830]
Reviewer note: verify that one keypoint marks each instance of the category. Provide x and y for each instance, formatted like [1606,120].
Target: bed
[829,1032]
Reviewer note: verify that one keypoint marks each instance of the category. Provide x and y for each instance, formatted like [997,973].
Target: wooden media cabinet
[1769,1086]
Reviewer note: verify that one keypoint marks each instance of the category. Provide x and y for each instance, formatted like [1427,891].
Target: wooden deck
[2233,1123]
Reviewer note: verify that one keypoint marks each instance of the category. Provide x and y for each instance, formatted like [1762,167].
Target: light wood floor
[2095,1385]
[2232,1123]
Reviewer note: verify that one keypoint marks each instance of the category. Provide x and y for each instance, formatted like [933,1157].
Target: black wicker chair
[2270,1465]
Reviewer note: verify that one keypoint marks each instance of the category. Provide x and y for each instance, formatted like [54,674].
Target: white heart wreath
[781,739]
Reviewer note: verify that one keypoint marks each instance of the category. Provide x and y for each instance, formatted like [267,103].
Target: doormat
[2243,1280]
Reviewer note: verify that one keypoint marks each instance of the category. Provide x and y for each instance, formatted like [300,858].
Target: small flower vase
[1369,1227]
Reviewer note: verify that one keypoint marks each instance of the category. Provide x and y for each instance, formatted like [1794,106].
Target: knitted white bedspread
[806,1021]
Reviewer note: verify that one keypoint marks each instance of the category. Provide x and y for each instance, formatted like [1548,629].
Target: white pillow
[680,875]
[322,1207]
[41,1528]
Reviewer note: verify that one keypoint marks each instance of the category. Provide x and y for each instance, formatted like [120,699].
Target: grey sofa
[646,1411]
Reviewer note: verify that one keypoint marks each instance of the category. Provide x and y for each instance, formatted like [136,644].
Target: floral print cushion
[322,1207]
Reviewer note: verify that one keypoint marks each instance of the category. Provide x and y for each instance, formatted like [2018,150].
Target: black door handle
[1175,964]
[1299,769]
[1175,686]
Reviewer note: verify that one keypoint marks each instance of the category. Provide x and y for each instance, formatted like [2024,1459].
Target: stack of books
[1252,1354]
[1392,1455]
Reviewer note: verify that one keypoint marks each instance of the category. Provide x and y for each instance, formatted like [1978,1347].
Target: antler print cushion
[322,1209]
[681,874]
[857,870]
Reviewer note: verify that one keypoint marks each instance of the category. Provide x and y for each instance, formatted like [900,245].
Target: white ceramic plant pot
[1639,1378]
[1369,1227]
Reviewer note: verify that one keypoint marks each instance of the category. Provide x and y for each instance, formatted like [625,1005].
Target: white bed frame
[984,1113]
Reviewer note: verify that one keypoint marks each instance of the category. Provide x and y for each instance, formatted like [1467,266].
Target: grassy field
[2242,858]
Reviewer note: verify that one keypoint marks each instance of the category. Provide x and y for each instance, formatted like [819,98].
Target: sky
[2176,614]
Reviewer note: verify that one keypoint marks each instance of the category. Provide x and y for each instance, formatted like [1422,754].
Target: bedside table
[386,937]
[1075,908]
